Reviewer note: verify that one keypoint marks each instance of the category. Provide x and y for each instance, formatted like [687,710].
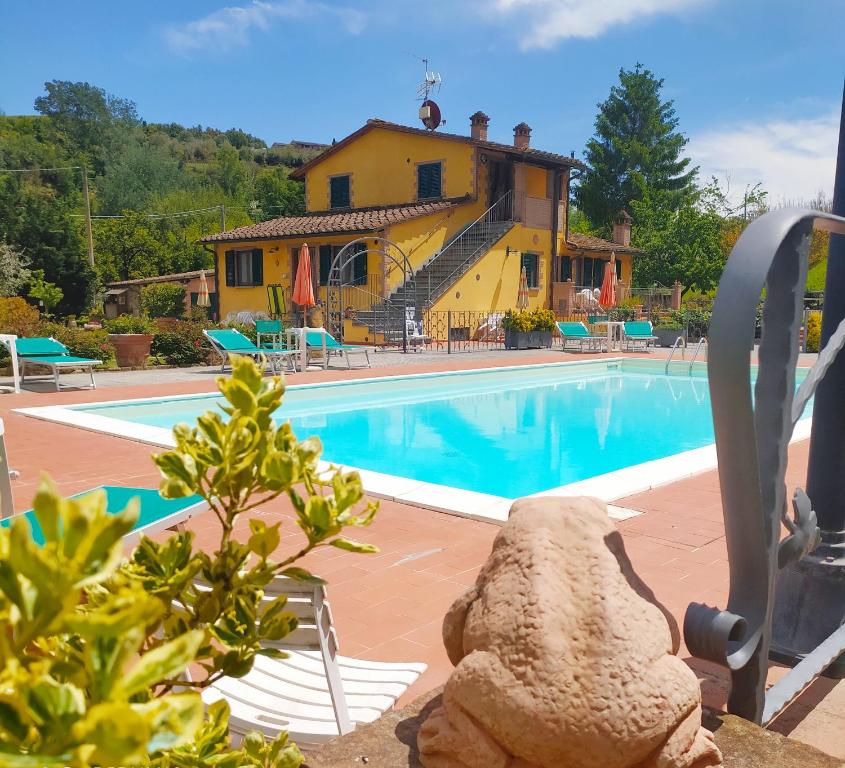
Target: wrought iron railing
[752,436]
[474,240]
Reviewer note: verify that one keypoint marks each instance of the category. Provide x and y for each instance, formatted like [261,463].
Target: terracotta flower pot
[315,319]
[131,349]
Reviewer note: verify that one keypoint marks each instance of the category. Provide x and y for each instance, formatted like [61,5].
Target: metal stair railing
[701,342]
[501,212]
[678,342]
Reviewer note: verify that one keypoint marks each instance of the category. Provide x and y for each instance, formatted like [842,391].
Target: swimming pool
[493,433]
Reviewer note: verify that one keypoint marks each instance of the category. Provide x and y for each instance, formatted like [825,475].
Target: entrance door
[500,178]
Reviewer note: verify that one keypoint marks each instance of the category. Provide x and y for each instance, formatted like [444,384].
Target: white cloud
[793,159]
[231,27]
[545,22]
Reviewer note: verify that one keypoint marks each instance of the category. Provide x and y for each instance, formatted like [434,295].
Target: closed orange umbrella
[522,293]
[607,297]
[303,288]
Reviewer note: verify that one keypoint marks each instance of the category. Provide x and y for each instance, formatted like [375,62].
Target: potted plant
[131,337]
[668,331]
[528,330]
[544,325]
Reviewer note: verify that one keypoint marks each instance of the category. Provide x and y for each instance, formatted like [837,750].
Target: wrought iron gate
[370,302]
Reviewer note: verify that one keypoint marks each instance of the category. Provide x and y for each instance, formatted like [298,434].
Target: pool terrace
[390,606]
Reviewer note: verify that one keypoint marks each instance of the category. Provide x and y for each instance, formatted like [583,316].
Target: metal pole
[88,234]
[810,598]
[449,332]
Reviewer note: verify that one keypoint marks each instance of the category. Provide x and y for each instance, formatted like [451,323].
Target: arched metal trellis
[385,312]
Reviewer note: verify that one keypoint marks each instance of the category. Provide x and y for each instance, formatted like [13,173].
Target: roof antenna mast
[429,111]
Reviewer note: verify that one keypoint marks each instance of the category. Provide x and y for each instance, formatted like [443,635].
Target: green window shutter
[257,266]
[339,192]
[429,180]
[325,263]
[359,274]
[618,269]
[587,272]
[530,263]
[565,268]
[230,268]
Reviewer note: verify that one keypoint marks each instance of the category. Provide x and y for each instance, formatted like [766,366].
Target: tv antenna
[431,82]
[429,111]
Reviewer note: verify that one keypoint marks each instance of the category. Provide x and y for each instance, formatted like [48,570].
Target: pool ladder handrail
[683,343]
[701,342]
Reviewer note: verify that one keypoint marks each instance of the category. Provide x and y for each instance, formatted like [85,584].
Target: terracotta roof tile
[175,277]
[590,243]
[334,222]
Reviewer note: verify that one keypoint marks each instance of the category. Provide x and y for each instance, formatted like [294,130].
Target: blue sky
[757,83]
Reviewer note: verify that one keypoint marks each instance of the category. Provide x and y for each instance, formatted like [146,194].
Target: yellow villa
[437,222]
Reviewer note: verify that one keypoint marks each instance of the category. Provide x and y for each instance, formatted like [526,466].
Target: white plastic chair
[315,694]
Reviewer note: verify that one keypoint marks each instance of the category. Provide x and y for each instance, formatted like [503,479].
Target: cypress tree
[636,146]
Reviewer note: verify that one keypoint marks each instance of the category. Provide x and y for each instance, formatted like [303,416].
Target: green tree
[127,248]
[36,218]
[230,172]
[163,300]
[91,118]
[14,274]
[47,293]
[685,243]
[636,147]
[141,170]
[277,195]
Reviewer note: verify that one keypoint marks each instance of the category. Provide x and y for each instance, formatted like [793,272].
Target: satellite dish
[430,115]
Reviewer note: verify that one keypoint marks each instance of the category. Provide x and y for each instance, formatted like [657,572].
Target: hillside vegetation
[135,169]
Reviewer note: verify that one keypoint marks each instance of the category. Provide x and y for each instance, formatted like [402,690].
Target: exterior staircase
[440,272]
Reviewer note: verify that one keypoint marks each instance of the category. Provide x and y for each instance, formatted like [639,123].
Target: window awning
[116,291]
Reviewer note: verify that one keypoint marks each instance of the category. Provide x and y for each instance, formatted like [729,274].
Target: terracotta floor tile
[390,606]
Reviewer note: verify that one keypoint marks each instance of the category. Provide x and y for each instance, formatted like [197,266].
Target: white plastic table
[296,340]
[614,339]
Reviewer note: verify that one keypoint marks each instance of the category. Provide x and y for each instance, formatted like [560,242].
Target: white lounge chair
[315,694]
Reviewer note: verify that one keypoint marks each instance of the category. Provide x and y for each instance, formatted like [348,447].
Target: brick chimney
[478,126]
[622,228]
[521,135]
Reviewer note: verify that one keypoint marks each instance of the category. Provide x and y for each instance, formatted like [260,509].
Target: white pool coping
[608,487]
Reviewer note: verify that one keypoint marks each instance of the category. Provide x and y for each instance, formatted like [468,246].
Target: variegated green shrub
[94,648]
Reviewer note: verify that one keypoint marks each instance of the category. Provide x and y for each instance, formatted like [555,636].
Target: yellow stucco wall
[535,181]
[492,284]
[383,168]
[278,268]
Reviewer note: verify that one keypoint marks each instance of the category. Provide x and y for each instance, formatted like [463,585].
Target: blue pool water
[508,432]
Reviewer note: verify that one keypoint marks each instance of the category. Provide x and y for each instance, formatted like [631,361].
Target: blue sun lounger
[639,332]
[51,354]
[578,333]
[321,345]
[228,341]
[156,514]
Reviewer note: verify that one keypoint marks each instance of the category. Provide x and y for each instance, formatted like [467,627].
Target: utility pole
[88,233]
[810,597]
[222,218]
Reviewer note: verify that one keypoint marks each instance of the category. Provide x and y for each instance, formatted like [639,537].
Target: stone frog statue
[563,657]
